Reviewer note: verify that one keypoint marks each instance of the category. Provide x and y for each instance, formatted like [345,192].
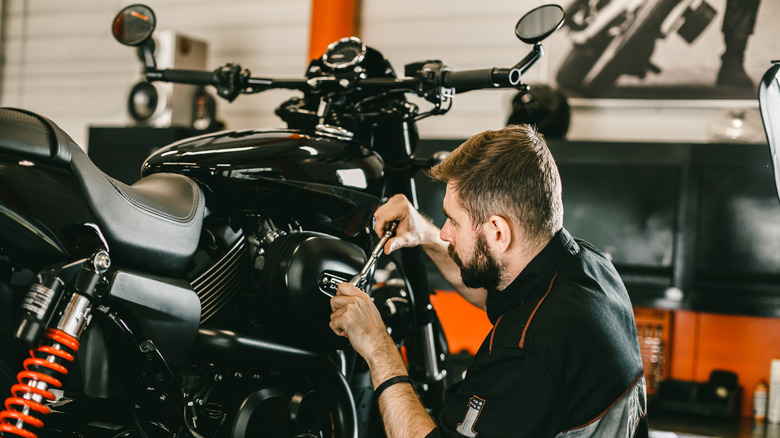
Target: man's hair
[510,173]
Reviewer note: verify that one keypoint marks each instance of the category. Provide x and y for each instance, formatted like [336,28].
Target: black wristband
[390,382]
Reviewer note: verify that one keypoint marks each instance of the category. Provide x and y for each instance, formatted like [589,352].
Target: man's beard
[483,270]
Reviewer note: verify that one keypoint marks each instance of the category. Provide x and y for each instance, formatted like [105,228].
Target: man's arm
[356,317]
[415,230]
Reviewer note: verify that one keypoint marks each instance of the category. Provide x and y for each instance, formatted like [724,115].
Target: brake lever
[359,280]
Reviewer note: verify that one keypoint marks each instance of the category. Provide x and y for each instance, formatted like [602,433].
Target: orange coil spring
[20,405]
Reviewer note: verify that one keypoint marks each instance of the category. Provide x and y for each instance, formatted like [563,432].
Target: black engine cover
[295,267]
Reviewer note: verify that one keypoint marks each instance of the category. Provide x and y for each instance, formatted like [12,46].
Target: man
[562,357]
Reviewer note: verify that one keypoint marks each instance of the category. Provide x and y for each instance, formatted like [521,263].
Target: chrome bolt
[102,261]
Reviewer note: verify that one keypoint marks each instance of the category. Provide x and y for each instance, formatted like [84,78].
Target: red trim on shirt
[492,333]
[528,323]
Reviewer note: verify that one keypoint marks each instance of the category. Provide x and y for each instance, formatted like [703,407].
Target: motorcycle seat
[153,224]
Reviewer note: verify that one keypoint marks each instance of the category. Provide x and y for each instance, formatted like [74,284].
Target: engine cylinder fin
[223,280]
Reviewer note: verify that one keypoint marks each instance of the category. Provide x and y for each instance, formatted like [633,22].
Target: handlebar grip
[194,77]
[468,79]
[485,78]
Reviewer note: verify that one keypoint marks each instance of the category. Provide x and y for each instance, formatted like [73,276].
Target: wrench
[360,279]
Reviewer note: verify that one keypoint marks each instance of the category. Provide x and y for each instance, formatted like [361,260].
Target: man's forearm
[402,412]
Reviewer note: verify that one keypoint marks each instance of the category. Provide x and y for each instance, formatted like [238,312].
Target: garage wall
[464,35]
[62,61]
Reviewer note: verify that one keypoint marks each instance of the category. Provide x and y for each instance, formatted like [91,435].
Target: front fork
[56,334]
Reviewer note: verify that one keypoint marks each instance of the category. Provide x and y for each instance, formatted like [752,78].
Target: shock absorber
[49,361]
[41,370]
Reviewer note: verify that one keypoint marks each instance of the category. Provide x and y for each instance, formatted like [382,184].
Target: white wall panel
[62,61]
[464,35]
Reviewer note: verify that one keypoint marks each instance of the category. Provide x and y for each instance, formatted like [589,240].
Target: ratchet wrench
[360,279]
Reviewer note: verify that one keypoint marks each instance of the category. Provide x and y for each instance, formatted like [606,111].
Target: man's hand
[356,317]
[413,228]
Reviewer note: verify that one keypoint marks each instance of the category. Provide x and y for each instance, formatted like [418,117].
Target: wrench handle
[359,279]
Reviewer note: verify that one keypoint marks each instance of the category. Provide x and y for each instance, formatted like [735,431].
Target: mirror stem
[146,53]
[530,59]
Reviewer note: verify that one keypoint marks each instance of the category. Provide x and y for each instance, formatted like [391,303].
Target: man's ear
[498,232]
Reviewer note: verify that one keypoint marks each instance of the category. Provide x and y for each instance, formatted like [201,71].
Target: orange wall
[745,345]
[700,342]
[465,325]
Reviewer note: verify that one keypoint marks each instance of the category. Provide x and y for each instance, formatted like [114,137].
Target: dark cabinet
[120,151]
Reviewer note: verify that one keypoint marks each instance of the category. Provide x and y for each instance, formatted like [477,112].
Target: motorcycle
[769,105]
[195,302]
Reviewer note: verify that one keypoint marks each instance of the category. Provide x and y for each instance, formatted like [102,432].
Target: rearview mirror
[134,25]
[769,103]
[539,23]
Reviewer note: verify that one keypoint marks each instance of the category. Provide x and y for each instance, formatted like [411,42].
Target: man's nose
[446,233]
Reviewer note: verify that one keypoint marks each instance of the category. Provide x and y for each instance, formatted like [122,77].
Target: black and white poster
[667,49]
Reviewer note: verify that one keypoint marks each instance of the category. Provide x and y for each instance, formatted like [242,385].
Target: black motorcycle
[769,104]
[195,302]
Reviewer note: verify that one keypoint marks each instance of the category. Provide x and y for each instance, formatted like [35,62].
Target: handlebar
[495,77]
[193,77]
[484,78]
[230,80]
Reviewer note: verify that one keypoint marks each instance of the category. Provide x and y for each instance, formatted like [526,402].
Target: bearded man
[562,358]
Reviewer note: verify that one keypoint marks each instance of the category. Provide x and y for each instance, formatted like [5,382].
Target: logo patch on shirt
[466,427]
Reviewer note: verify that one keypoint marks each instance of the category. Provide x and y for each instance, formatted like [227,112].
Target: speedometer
[344,53]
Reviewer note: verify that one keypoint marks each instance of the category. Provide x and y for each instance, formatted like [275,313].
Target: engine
[266,363]
[234,403]
[274,281]
[300,273]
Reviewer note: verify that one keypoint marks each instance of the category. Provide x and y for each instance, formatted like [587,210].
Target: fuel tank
[330,181]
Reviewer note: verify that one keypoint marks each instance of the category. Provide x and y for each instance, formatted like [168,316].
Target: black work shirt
[562,357]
